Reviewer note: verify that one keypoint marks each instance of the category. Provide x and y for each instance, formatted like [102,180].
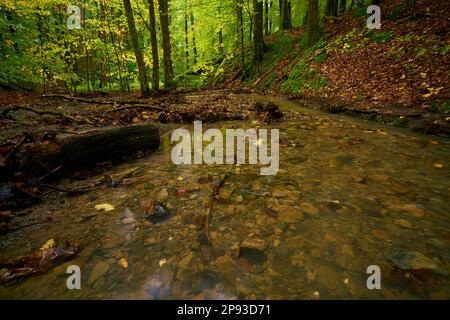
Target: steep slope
[398,74]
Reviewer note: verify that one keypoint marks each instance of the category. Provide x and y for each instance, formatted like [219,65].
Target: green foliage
[360,12]
[379,36]
[321,58]
[446,108]
[302,75]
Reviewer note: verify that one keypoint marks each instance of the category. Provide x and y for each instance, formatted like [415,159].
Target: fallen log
[70,152]
[87,149]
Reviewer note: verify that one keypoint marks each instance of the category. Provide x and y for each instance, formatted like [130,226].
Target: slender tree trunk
[266,17]
[240,30]
[154,43]
[258,40]
[116,53]
[42,35]
[334,12]
[145,90]
[312,27]
[220,33]
[270,19]
[250,34]
[104,57]
[342,6]
[329,8]
[167,55]
[186,39]
[193,33]
[285,15]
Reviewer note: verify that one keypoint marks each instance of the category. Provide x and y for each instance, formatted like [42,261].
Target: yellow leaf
[104,206]
[49,244]
[438,165]
[9,42]
[123,263]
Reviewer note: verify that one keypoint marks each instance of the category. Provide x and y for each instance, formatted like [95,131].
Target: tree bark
[145,90]
[167,49]
[186,39]
[342,6]
[312,27]
[258,40]
[266,17]
[193,33]
[87,149]
[285,14]
[154,43]
[240,30]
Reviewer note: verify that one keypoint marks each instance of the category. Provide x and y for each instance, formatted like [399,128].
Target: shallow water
[349,194]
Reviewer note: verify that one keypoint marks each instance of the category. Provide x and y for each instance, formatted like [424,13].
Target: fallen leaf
[123,263]
[104,206]
[49,244]
[380,234]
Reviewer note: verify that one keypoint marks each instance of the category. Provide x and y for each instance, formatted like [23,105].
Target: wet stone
[413,260]
[254,244]
[403,223]
[205,279]
[288,214]
[100,269]
[252,255]
[309,208]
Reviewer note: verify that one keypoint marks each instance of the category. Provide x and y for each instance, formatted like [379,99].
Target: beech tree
[145,90]
[167,49]
[313,31]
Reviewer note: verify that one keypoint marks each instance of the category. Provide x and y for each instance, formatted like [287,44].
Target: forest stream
[348,194]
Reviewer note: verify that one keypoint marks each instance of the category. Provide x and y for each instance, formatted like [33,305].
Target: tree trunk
[285,14]
[193,34]
[116,53]
[220,33]
[105,57]
[240,30]
[312,27]
[334,11]
[154,42]
[167,54]
[329,8]
[342,6]
[258,40]
[266,17]
[145,90]
[186,39]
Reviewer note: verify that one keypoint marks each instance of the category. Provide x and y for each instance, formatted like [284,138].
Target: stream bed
[349,194]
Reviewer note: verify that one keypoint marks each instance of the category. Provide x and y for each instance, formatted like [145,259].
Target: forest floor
[396,75]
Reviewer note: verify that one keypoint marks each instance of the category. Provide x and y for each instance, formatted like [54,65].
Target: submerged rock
[100,269]
[413,260]
[252,255]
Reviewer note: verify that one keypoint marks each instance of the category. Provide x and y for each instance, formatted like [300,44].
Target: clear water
[349,194]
